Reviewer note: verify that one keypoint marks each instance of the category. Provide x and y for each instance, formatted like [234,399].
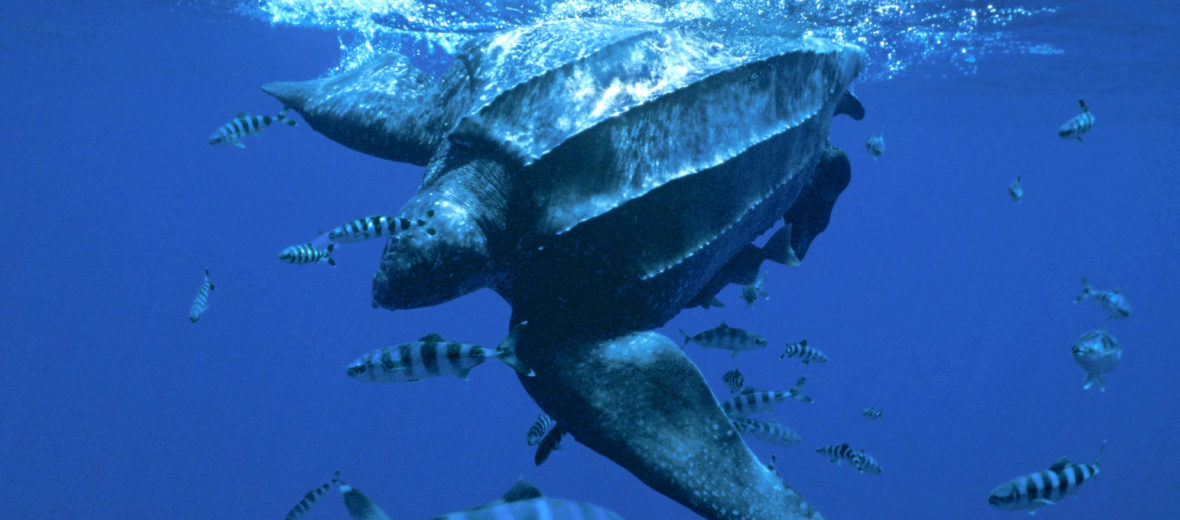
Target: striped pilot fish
[538,429]
[201,302]
[876,145]
[525,502]
[376,226]
[752,401]
[1015,190]
[734,381]
[772,432]
[805,353]
[1112,301]
[307,254]
[871,413]
[359,506]
[839,453]
[245,124]
[312,497]
[1098,353]
[751,293]
[728,338]
[429,356]
[1077,125]
[1043,488]
[550,442]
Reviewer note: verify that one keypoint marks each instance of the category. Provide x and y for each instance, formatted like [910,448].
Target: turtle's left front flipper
[638,400]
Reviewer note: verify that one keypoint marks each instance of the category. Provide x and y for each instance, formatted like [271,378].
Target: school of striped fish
[1096,352]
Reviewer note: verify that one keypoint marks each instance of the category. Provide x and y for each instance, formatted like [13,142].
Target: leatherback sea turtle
[601,178]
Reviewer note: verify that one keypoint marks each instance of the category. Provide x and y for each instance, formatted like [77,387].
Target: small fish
[713,302]
[311,497]
[725,337]
[838,453]
[378,226]
[805,353]
[750,293]
[734,381]
[362,229]
[201,302]
[1015,190]
[538,429]
[1112,301]
[1043,488]
[875,145]
[752,401]
[1097,352]
[429,356]
[1077,125]
[307,254]
[552,441]
[245,124]
[871,413]
[773,432]
[359,506]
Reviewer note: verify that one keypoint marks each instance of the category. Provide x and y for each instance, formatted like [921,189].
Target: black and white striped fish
[728,338]
[429,356]
[750,293]
[1077,125]
[244,125]
[839,453]
[752,401]
[1043,488]
[377,226]
[1015,190]
[201,302]
[734,381]
[871,413]
[805,353]
[538,429]
[311,497]
[772,431]
[359,506]
[1112,301]
[550,442]
[307,254]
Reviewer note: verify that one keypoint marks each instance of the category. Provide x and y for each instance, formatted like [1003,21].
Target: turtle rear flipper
[812,209]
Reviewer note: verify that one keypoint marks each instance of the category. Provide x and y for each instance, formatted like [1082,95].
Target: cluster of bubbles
[898,35]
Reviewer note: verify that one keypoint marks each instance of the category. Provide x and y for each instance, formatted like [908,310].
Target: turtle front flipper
[386,108]
[639,401]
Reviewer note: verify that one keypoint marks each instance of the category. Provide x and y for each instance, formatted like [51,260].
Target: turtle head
[441,249]
[441,255]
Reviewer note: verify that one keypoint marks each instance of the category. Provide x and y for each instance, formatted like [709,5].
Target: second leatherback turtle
[601,178]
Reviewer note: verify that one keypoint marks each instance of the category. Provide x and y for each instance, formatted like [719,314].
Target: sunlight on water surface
[898,35]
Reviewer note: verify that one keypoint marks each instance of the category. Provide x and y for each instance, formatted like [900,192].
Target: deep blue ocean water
[938,299]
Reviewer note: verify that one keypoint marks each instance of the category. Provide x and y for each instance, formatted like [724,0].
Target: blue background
[937,298]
